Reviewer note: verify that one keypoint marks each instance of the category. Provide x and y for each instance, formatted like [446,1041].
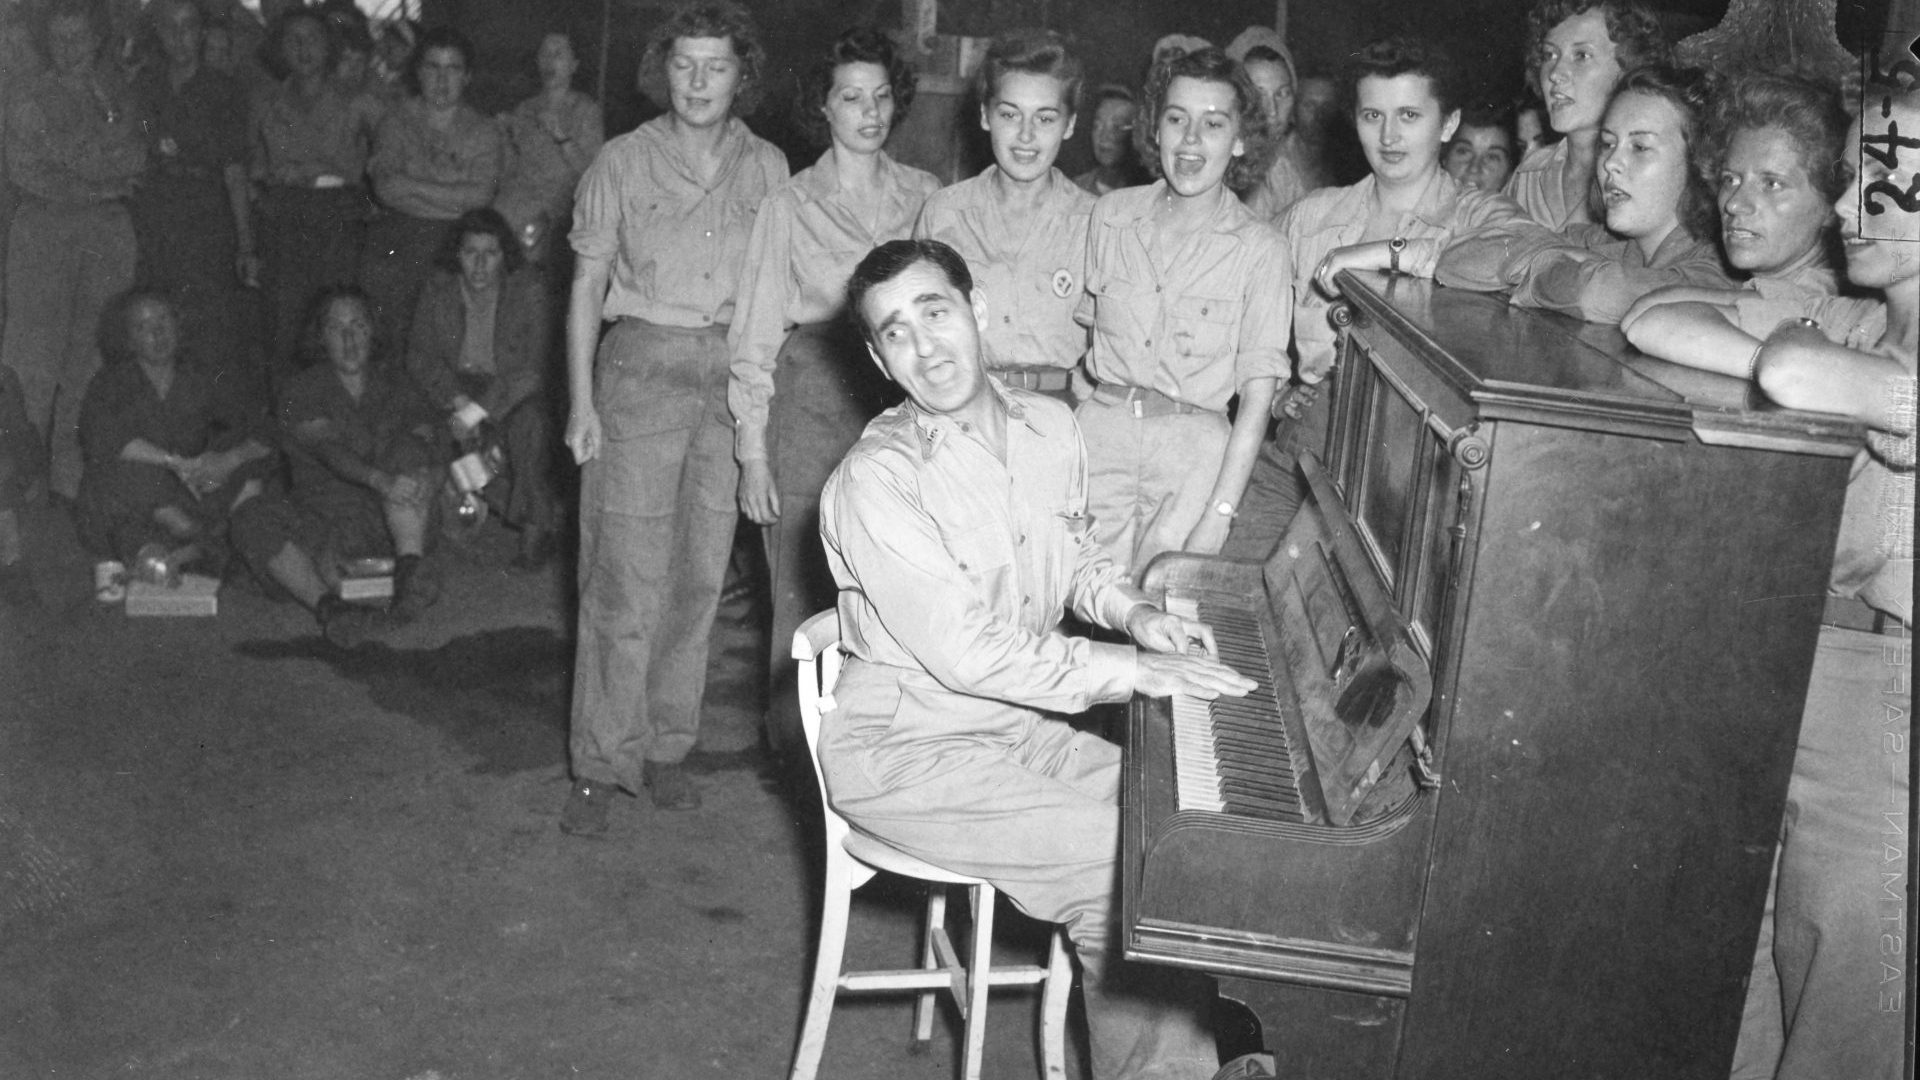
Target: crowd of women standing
[1185,313]
[1178,294]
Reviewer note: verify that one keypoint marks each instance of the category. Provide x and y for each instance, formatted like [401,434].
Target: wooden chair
[852,860]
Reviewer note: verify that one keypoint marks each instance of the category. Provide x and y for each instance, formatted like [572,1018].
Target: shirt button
[1159,288]
[709,233]
[1149,343]
[1025,600]
[1023,538]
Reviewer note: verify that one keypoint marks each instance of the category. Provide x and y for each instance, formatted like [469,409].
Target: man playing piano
[957,532]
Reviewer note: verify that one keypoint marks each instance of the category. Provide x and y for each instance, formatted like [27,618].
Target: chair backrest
[816,645]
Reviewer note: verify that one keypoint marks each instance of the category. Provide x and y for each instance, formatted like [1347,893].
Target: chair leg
[979,968]
[1053,1009]
[923,1005]
[834,912]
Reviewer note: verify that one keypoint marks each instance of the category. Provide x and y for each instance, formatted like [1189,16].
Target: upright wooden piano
[1534,656]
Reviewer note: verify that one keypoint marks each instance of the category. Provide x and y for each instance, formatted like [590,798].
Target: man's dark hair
[895,257]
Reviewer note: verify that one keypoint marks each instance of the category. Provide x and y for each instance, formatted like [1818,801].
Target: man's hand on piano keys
[1189,674]
[1163,632]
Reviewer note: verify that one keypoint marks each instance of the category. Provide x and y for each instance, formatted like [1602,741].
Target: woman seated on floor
[167,456]
[362,453]
[1659,214]
[480,346]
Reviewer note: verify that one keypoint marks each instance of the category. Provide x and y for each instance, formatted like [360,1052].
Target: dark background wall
[1115,37]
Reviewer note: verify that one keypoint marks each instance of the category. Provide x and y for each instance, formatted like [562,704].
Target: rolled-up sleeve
[1266,313]
[759,325]
[924,598]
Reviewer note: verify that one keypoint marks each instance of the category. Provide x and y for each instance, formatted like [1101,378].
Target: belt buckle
[1139,408]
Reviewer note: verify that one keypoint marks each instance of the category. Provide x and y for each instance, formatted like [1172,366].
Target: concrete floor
[227,851]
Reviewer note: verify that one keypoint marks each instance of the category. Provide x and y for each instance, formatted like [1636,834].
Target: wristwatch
[1223,508]
[1394,247]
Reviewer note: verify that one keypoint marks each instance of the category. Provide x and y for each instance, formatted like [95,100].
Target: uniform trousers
[308,239]
[1032,806]
[1824,999]
[1148,478]
[826,388]
[657,512]
[63,264]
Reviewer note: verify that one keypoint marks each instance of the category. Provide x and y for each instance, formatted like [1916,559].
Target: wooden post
[1280,18]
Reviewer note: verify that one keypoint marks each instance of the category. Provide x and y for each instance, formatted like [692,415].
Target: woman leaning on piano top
[1399,217]
[1659,225]
[1810,1012]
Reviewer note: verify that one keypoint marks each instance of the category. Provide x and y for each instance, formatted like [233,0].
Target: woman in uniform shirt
[1398,218]
[308,141]
[1022,225]
[1774,144]
[1578,51]
[660,230]
[1659,215]
[803,386]
[434,158]
[1181,279]
[1816,1002]
[551,138]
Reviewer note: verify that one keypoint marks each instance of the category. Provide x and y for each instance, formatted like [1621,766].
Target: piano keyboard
[1233,755]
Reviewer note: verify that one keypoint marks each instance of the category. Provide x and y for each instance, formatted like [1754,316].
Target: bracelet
[1753,362]
[1394,247]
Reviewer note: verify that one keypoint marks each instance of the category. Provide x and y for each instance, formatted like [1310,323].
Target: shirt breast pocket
[1203,327]
[985,554]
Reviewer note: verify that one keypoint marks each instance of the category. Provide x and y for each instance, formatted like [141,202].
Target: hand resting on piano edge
[1165,666]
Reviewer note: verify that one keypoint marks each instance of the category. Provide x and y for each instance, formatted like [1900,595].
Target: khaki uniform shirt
[71,145]
[677,246]
[806,241]
[1583,270]
[1538,185]
[1029,267]
[470,151]
[956,569]
[293,144]
[1337,217]
[1873,558]
[1196,329]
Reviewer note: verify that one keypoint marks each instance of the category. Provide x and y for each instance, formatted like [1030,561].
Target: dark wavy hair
[1638,37]
[1032,52]
[484,221]
[1810,113]
[313,346]
[860,45]
[893,258]
[1690,92]
[1215,66]
[440,37]
[114,333]
[712,19]
[1401,54]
